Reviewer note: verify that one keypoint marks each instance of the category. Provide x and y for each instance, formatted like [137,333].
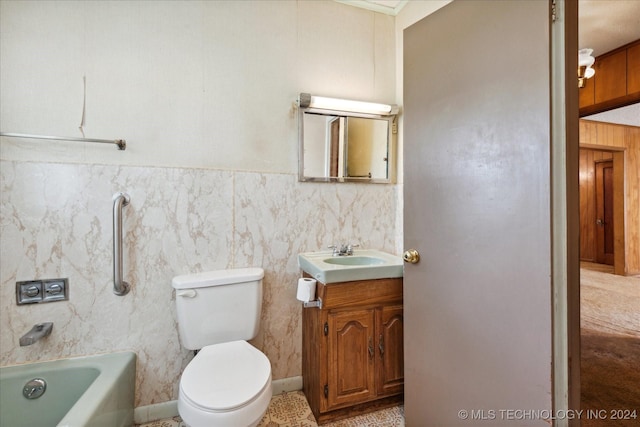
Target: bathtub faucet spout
[38,331]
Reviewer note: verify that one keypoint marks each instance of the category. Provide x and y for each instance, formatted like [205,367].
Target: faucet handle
[343,249]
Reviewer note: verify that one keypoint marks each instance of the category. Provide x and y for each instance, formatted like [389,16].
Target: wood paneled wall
[599,136]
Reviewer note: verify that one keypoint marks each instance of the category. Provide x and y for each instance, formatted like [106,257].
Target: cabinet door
[351,351]
[390,350]
[587,93]
[633,69]
[610,80]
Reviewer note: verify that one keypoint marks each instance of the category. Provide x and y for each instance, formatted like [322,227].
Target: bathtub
[92,391]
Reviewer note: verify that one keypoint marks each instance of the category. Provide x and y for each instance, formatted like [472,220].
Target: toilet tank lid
[218,277]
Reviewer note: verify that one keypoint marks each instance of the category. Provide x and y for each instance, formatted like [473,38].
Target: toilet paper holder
[306,293]
[312,304]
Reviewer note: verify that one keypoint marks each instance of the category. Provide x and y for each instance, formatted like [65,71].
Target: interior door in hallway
[604,212]
[477,208]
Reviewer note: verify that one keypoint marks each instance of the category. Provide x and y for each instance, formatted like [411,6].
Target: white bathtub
[92,391]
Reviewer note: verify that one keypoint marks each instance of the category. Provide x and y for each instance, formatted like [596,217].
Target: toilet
[228,382]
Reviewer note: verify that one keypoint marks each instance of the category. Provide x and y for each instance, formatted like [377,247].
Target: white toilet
[228,383]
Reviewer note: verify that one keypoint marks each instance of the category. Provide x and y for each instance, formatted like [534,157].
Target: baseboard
[285,385]
[154,412]
[160,411]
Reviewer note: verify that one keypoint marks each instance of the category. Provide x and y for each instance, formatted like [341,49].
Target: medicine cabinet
[346,141]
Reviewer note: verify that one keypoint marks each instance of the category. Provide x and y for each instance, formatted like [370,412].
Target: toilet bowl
[226,384]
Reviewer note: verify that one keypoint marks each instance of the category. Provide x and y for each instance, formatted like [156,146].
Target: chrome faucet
[36,333]
[342,249]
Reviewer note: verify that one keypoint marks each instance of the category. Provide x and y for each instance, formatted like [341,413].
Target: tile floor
[292,410]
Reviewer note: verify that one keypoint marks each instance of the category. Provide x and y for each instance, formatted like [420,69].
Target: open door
[477,208]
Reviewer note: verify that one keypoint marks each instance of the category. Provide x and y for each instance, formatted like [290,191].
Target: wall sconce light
[334,104]
[585,61]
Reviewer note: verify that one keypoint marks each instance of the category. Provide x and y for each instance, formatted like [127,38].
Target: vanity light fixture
[335,104]
[585,61]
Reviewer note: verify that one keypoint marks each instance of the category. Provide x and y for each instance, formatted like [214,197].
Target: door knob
[411,256]
[600,222]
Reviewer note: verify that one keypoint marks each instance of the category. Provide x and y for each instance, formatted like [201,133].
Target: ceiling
[389,7]
[603,24]
[391,4]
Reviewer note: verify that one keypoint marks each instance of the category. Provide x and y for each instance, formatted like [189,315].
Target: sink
[365,264]
[354,260]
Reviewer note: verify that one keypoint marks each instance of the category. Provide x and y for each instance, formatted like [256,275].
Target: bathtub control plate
[36,291]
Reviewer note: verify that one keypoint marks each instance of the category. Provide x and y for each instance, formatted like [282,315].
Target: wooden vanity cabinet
[390,347]
[352,348]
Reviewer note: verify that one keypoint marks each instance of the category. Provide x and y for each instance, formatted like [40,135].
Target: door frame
[565,206]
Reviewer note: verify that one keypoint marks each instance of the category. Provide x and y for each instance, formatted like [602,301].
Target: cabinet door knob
[381,346]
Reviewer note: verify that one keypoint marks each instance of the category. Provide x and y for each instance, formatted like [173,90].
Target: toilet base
[248,415]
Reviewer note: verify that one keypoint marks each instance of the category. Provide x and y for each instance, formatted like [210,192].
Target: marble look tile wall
[56,221]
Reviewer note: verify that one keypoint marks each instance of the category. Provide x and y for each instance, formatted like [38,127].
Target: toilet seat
[224,377]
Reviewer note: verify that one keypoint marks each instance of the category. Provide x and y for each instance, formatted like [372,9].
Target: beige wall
[191,84]
[203,93]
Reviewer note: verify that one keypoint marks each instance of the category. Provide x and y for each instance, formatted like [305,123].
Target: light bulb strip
[347,105]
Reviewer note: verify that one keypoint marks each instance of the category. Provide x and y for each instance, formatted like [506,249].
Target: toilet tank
[218,306]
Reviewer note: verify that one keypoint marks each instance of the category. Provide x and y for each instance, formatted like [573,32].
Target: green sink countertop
[365,264]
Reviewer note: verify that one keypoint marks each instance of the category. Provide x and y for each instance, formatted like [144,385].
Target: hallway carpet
[610,373]
[610,348]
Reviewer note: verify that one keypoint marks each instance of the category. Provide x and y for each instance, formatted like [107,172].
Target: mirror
[338,146]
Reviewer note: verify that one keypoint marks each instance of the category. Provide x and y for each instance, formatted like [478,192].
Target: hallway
[610,353]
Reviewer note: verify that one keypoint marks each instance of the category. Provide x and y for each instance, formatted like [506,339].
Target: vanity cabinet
[352,348]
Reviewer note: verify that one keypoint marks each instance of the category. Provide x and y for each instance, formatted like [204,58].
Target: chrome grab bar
[120,287]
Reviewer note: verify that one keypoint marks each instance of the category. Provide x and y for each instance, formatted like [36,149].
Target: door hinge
[326,390]
[554,11]
[326,329]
